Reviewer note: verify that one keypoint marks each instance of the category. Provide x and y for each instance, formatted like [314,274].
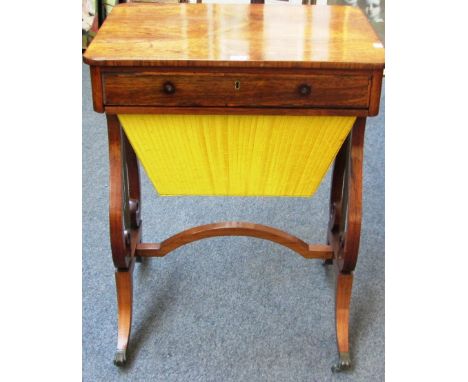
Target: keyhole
[237,85]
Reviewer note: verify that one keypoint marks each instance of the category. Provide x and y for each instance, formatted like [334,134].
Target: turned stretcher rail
[309,251]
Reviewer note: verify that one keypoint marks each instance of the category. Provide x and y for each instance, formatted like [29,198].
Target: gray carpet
[229,309]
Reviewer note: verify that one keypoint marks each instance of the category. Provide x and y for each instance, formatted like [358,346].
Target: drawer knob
[304,89]
[169,87]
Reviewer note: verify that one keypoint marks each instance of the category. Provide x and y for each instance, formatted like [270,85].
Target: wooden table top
[236,35]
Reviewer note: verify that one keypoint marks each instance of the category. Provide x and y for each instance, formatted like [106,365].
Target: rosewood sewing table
[234,61]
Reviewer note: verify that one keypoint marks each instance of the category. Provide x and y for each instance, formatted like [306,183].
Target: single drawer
[236,90]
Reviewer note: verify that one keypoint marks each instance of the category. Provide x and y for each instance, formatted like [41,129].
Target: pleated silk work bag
[236,155]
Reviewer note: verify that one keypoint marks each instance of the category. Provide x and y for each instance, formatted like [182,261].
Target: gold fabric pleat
[236,155]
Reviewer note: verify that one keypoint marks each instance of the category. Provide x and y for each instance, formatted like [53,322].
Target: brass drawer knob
[304,89]
[169,87]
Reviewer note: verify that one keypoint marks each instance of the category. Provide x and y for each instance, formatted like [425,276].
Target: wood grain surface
[309,251]
[344,284]
[124,285]
[354,198]
[236,35]
[236,59]
[247,90]
[120,251]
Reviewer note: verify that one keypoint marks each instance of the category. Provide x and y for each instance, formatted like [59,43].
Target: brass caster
[120,358]
[343,364]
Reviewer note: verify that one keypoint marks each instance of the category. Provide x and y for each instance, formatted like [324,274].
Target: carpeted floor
[229,309]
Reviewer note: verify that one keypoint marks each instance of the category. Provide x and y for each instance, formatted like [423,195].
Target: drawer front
[231,90]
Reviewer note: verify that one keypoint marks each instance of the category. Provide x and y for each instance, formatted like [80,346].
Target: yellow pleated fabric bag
[236,155]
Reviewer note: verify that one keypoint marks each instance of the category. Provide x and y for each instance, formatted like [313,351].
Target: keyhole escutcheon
[237,85]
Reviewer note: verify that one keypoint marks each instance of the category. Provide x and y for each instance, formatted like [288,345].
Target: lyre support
[124,195]
[353,186]
[344,227]
[125,226]
[344,230]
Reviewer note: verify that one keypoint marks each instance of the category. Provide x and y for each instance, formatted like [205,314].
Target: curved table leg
[344,283]
[345,230]
[125,222]
[124,283]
